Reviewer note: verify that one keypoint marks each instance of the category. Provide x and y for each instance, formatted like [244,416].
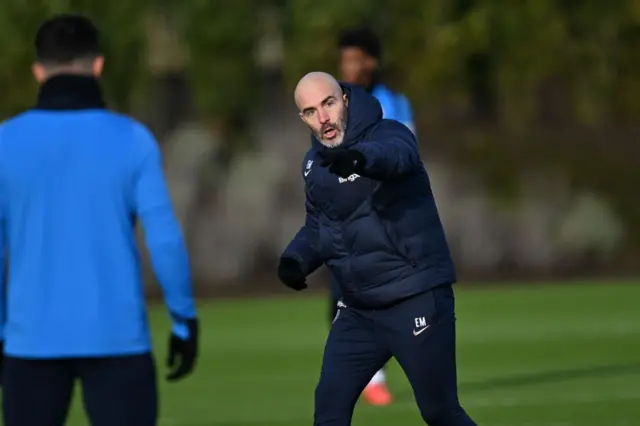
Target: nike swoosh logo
[418,332]
[307,173]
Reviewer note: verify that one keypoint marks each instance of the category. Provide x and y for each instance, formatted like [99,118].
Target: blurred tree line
[534,81]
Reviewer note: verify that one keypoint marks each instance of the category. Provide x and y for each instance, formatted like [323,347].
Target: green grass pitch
[552,355]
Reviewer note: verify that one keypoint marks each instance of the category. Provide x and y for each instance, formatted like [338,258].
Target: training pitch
[539,355]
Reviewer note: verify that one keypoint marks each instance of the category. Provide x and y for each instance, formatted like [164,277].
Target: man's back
[74,179]
[68,182]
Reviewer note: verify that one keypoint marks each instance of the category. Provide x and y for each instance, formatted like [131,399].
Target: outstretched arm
[391,152]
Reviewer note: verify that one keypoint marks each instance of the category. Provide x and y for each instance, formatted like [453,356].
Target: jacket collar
[70,92]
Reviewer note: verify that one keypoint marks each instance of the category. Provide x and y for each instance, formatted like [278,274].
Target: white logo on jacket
[349,179]
[308,170]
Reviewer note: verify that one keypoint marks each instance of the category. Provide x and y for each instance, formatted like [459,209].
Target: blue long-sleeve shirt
[72,185]
[394,105]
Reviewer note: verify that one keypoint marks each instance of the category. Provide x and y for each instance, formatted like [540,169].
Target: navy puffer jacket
[380,233]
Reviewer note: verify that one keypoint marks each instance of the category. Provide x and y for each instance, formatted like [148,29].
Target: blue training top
[394,105]
[74,178]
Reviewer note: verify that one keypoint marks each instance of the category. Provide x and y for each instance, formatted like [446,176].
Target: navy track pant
[419,332]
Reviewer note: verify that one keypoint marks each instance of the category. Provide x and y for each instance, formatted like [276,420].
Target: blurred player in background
[360,56]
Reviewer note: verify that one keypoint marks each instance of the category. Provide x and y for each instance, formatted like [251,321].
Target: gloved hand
[291,274]
[343,162]
[183,352]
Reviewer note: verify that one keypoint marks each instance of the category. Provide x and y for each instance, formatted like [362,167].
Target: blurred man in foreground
[74,178]
[372,219]
[360,56]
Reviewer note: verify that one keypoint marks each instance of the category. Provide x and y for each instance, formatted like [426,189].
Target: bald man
[372,219]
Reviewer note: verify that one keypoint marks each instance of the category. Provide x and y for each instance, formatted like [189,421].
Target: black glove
[291,274]
[183,352]
[343,162]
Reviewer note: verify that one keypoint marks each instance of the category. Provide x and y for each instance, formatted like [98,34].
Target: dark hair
[66,38]
[362,38]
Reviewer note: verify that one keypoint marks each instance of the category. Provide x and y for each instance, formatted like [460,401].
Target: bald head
[322,106]
[316,81]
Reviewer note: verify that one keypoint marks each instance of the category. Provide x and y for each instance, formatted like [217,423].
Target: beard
[331,135]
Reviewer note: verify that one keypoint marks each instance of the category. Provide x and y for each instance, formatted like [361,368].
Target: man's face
[355,66]
[325,113]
